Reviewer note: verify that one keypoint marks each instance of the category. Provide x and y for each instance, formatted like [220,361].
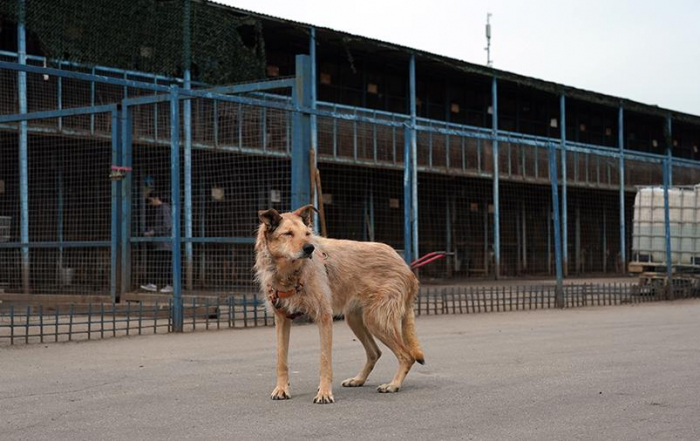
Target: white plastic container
[648,230]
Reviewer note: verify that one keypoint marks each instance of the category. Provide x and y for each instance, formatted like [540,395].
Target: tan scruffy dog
[301,273]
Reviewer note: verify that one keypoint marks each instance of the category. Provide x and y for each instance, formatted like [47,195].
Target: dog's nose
[308,249]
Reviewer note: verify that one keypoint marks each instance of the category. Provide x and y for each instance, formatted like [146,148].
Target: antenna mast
[489,61]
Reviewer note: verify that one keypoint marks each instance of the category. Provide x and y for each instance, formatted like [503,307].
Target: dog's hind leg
[353,317]
[390,334]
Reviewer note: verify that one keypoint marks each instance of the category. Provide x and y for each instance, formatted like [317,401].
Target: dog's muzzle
[308,250]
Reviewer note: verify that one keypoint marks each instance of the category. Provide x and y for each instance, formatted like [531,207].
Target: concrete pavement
[623,373]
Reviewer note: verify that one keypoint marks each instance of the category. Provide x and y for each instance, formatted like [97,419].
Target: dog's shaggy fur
[367,282]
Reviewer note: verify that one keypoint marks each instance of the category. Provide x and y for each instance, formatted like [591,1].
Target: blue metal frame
[564,203]
[301,135]
[115,244]
[314,126]
[413,160]
[303,105]
[126,199]
[177,312]
[667,229]
[23,145]
[557,226]
[407,197]
[621,147]
[496,177]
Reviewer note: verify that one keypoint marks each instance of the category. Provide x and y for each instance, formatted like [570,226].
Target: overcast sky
[644,50]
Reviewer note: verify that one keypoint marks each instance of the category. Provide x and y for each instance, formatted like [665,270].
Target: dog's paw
[387,388]
[352,382]
[281,393]
[324,398]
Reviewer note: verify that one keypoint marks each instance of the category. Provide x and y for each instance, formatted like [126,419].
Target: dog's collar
[274,295]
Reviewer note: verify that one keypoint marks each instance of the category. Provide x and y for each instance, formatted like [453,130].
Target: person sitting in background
[160,268]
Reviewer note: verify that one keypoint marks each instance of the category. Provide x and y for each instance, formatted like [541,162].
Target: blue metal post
[116,209]
[177,312]
[621,147]
[187,132]
[59,174]
[669,146]
[667,229]
[301,135]
[126,197]
[564,206]
[23,147]
[407,197]
[496,197]
[668,182]
[414,160]
[314,127]
[557,237]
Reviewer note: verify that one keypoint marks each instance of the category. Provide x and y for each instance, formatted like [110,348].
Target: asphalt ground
[624,373]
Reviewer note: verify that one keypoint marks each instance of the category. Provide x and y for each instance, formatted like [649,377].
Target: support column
[605,240]
[301,135]
[314,126]
[496,198]
[126,199]
[560,303]
[414,160]
[621,147]
[564,206]
[448,234]
[187,132]
[523,224]
[577,239]
[667,230]
[407,197]
[177,312]
[668,183]
[23,146]
[115,276]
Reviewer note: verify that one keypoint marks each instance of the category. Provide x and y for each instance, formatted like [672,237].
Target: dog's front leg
[325,387]
[283,325]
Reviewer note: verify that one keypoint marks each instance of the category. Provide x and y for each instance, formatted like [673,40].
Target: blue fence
[495,203]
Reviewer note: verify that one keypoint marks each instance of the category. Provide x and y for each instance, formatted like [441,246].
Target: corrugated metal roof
[464,66]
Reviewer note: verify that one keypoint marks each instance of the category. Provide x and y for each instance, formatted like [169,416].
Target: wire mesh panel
[239,163]
[456,217]
[67,217]
[362,203]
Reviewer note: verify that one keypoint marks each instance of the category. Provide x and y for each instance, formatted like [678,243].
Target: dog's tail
[409,325]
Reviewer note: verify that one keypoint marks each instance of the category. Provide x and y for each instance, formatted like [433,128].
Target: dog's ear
[271,218]
[305,213]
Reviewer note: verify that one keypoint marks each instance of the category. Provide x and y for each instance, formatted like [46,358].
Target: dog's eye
[308,234]
[289,233]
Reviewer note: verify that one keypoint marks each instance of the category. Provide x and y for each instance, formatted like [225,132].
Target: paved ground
[623,373]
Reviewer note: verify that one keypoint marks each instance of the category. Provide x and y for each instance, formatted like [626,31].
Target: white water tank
[648,230]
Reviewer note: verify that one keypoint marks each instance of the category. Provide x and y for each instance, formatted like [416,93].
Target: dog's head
[288,235]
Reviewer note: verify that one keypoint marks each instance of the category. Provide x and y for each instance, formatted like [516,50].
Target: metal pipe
[414,157]
[126,197]
[667,231]
[496,197]
[175,206]
[187,132]
[116,211]
[314,127]
[564,203]
[621,147]
[407,198]
[23,145]
[557,237]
